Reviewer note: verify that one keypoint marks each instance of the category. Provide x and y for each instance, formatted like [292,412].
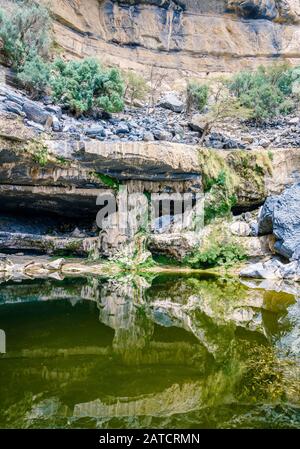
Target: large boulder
[172,102]
[265,219]
[13,129]
[36,113]
[281,215]
[199,123]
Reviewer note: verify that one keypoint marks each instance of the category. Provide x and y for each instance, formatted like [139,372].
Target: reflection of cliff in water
[183,351]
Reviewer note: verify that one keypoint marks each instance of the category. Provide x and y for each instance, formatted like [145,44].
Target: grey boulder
[273,269]
[172,102]
[16,108]
[281,215]
[265,219]
[93,131]
[35,113]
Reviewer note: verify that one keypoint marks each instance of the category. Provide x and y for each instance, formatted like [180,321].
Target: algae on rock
[234,179]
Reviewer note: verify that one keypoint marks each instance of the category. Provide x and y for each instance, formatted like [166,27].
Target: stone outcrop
[182,38]
[173,245]
[277,10]
[273,269]
[131,160]
[281,216]
[279,219]
[48,244]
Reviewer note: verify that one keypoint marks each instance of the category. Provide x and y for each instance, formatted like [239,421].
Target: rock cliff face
[184,37]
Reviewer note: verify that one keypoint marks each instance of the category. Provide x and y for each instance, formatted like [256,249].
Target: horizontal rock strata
[186,38]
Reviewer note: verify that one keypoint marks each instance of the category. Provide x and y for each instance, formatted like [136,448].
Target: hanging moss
[230,178]
[109,181]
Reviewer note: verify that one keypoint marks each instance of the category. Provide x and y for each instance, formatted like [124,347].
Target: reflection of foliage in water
[268,377]
[183,352]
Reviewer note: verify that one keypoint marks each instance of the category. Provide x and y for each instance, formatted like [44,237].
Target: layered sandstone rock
[182,37]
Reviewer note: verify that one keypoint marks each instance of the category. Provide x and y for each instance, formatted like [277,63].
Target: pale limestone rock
[174,245]
[12,128]
[240,228]
[172,102]
[273,269]
[257,246]
[198,122]
[175,38]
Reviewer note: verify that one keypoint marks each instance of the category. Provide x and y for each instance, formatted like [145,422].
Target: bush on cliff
[23,32]
[84,85]
[196,96]
[217,254]
[35,76]
[267,92]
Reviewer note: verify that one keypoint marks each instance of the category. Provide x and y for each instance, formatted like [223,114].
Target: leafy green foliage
[220,207]
[25,32]
[197,96]
[83,86]
[208,183]
[267,92]
[161,259]
[35,76]
[108,180]
[220,197]
[41,156]
[217,255]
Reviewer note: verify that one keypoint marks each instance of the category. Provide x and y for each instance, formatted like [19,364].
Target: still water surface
[170,352]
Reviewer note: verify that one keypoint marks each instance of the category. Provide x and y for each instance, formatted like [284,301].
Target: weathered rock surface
[273,269]
[278,10]
[240,228]
[64,176]
[281,215]
[49,244]
[130,160]
[175,245]
[181,38]
[172,102]
[37,114]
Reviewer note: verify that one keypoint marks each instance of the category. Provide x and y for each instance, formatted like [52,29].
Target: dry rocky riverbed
[167,121]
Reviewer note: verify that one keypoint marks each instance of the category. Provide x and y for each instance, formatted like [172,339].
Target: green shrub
[220,180]
[41,155]
[267,92]
[217,255]
[136,87]
[110,182]
[197,96]
[218,205]
[23,31]
[35,76]
[220,196]
[83,86]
